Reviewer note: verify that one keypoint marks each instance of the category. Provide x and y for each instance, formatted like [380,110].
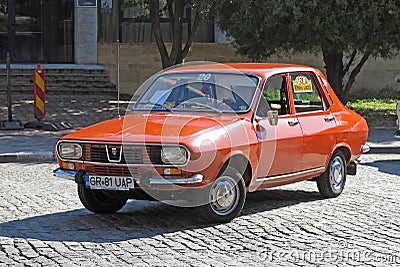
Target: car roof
[260,69]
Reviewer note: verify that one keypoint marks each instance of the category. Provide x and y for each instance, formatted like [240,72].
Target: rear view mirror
[273,117]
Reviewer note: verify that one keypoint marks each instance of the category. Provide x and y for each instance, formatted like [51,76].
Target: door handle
[293,122]
[329,118]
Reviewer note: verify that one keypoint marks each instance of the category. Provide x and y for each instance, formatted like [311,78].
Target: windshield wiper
[195,103]
[154,104]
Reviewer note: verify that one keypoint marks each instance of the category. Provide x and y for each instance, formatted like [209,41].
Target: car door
[280,145]
[315,118]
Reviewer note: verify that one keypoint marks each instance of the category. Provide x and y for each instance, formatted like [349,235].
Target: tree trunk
[155,26]
[176,10]
[352,77]
[334,71]
[177,33]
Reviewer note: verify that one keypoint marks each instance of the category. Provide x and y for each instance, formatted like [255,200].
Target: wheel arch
[242,164]
[345,149]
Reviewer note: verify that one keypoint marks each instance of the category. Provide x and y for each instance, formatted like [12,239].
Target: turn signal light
[172,171]
[68,166]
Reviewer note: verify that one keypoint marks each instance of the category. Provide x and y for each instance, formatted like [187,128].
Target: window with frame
[306,95]
[274,97]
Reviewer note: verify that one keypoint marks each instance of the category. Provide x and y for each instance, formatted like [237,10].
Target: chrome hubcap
[336,173]
[224,195]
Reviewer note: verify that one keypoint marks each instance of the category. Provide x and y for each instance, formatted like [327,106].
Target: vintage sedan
[206,135]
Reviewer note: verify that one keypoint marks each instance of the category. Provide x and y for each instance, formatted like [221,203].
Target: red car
[206,135]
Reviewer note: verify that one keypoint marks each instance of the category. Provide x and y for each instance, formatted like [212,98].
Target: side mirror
[272,116]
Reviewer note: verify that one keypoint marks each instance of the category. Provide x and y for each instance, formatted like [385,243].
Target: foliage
[342,30]
[383,105]
[378,107]
[387,94]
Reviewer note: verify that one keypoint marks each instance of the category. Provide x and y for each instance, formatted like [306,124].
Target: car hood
[160,128]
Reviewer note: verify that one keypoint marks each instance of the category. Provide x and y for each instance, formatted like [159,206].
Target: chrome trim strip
[68,175]
[122,144]
[290,175]
[197,178]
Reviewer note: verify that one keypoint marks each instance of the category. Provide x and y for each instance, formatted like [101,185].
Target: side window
[306,96]
[275,91]
[263,107]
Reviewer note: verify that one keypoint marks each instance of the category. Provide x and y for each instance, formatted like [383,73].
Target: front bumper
[197,178]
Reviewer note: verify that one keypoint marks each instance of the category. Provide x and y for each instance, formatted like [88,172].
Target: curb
[384,150]
[41,156]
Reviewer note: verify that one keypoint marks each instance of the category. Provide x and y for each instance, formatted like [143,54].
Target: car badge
[114,151]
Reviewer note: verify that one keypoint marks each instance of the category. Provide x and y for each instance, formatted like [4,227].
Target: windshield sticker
[302,85]
[204,77]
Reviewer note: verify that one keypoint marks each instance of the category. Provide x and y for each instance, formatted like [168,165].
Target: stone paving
[42,223]
[78,110]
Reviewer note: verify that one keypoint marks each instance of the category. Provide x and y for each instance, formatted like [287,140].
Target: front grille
[96,153]
[134,155]
[131,154]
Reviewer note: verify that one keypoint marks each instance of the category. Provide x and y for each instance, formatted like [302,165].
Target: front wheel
[225,197]
[100,201]
[331,182]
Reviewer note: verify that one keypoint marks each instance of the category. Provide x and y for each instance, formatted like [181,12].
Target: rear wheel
[100,201]
[332,181]
[225,197]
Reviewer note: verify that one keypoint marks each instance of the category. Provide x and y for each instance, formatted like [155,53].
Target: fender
[337,146]
[232,154]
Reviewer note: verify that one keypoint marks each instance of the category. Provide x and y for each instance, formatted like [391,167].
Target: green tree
[346,32]
[174,11]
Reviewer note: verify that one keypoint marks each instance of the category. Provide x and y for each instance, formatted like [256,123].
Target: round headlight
[174,155]
[70,150]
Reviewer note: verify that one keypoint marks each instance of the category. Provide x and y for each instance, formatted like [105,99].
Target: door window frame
[288,95]
[325,102]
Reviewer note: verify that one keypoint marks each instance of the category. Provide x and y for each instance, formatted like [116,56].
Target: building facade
[37,30]
[67,31]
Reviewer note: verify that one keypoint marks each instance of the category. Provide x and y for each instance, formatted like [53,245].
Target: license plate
[109,182]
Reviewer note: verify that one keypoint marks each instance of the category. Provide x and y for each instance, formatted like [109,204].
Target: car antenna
[118,90]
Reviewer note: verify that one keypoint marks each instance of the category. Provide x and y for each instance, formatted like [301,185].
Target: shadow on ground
[386,166]
[138,219]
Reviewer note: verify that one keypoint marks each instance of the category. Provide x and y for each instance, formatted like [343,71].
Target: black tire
[100,201]
[331,182]
[224,209]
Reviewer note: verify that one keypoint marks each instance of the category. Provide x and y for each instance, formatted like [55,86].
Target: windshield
[211,92]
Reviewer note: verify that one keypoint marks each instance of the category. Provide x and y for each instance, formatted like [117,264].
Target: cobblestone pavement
[42,223]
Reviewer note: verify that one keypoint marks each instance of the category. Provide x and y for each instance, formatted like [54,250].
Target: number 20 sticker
[204,77]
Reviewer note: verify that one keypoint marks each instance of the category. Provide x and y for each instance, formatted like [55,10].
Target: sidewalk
[382,141]
[85,110]
[38,146]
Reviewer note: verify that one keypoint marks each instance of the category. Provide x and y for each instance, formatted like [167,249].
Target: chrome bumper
[197,178]
[69,175]
[365,149]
